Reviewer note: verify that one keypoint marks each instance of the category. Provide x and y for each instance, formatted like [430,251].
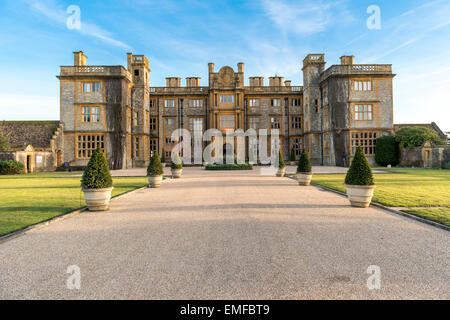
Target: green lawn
[32,198]
[406,188]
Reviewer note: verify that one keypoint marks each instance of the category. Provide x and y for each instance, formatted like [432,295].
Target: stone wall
[425,157]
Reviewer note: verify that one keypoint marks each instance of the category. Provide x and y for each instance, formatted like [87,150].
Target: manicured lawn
[406,188]
[32,198]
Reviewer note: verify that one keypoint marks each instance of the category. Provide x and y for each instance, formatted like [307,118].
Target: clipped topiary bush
[96,175]
[163,157]
[386,151]
[155,167]
[360,173]
[304,165]
[176,162]
[11,167]
[292,155]
[281,163]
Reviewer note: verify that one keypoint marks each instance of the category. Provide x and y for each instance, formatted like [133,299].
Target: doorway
[29,164]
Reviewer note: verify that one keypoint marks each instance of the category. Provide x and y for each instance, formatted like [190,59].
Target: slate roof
[20,134]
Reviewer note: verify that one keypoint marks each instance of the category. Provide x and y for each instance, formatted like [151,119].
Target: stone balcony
[273,89]
[95,71]
[357,69]
[179,90]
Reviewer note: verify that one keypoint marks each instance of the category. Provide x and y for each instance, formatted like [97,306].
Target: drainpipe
[321,125]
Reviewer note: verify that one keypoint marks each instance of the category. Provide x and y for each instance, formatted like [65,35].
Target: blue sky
[269,36]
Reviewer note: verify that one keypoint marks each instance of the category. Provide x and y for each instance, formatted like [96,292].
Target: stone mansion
[337,109]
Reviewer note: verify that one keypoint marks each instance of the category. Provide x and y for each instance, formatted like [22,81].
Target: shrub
[292,155]
[155,167]
[4,145]
[446,165]
[244,166]
[281,163]
[96,175]
[11,167]
[176,162]
[304,165]
[386,151]
[409,138]
[163,157]
[360,173]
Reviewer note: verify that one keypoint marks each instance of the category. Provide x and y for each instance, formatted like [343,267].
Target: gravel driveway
[229,235]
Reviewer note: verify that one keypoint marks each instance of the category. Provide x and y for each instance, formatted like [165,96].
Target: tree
[4,145]
[292,155]
[96,175]
[416,137]
[386,151]
[304,165]
[281,163]
[163,157]
[360,173]
[155,167]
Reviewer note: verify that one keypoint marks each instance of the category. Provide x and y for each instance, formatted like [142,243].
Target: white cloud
[55,12]
[27,107]
[304,17]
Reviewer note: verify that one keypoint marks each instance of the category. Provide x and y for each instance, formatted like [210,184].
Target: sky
[270,36]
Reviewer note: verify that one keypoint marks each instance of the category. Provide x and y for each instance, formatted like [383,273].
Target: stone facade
[337,109]
[428,156]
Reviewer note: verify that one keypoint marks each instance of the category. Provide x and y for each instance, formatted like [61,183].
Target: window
[196,103]
[86,144]
[296,102]
[196,127]
[296,122]
[136,118]
[87,87]
[365,140]
[253,102]
[275,123]
[275,102]
[363,112]
[90,114]
[227,98]
[170,125]
[297,145]
[136,146]
[316,105]
[227,122]
[152,103]
[152,146]
[169,103]
[136,72]
[362,85]
[253,123]
[152,123]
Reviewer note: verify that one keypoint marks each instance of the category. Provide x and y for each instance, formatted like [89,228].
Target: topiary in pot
[281,165]
[163,159]
[304,170]
[96,182]
[176,166]
[292,157]
[359,181]
[155,171]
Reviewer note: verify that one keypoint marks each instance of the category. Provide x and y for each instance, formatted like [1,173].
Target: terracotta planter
[97,199]
[154,181]
[281,172]
[176,173]
[360,196]
[304,179]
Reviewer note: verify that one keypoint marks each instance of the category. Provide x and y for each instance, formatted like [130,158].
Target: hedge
[11,167]
[386,151]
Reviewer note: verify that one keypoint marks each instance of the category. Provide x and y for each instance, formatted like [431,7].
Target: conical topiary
[96,175]
[360,173]
[281,163]
[304,165]
[292,155]
[176,162]
[155,167]
[163,157]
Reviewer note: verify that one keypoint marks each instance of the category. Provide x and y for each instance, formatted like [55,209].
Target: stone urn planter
[176,173]
[97,199]
[176,167]
[96,182]
[360,196]
[304,179]
[155,181]
[292,163]
[281,172]
[155,171]
[359,181]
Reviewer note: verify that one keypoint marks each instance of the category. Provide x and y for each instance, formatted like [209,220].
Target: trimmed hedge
[281,163]
[11,167]
[360,173]
[96,175]
[176,162]
[155,168]
[304,165]
[386,151]
[244,166]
